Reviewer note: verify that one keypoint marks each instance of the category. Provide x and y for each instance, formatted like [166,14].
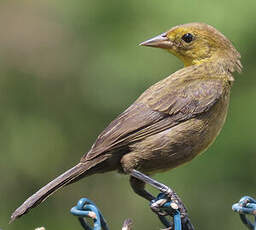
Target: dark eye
[187,37]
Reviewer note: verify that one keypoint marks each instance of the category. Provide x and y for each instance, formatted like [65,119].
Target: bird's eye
[187,37]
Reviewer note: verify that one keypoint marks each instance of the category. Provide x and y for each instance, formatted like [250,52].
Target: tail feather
[65,178]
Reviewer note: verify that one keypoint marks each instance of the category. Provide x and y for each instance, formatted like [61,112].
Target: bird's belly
[177,145]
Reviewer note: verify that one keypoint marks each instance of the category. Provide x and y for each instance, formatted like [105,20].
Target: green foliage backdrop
[69,67]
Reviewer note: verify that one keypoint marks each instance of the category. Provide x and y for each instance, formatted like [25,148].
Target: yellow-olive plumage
[172,121]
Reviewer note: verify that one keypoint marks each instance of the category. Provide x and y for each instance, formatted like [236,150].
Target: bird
[170,123]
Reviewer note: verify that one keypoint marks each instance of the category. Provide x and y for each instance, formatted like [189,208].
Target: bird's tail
[62,180]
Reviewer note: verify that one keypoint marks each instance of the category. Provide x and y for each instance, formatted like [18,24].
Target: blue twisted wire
[246,206]
[167,207]
[86,208]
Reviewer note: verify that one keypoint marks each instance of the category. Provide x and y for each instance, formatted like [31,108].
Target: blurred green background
[69,67]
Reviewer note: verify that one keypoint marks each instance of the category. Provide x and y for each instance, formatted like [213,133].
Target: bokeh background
[69,67]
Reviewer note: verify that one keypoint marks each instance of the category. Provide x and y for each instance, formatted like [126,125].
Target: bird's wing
[137,117]
[162,106]
[187,97]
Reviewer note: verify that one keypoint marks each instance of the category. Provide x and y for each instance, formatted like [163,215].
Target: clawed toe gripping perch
[167,203]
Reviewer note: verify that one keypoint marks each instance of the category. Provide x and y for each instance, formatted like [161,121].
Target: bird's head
[196,43]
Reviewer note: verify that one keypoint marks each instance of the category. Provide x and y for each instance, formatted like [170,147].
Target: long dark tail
[62,180]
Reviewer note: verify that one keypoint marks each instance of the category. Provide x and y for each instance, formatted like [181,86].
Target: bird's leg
[138,187]
[138,181]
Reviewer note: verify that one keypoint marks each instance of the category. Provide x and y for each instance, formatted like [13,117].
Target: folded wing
[162,106]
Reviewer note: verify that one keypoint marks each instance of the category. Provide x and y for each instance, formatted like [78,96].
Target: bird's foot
[163,205]
[156,206]
[167,203]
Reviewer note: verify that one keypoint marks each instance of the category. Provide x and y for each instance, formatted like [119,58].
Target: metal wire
[246,206]
[85,208]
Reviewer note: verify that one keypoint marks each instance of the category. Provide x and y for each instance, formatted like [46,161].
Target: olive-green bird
[171,122]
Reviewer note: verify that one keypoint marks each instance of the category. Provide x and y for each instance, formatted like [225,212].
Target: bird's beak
[160,41]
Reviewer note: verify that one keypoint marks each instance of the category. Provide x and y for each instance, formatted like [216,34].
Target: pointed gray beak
[160,41]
